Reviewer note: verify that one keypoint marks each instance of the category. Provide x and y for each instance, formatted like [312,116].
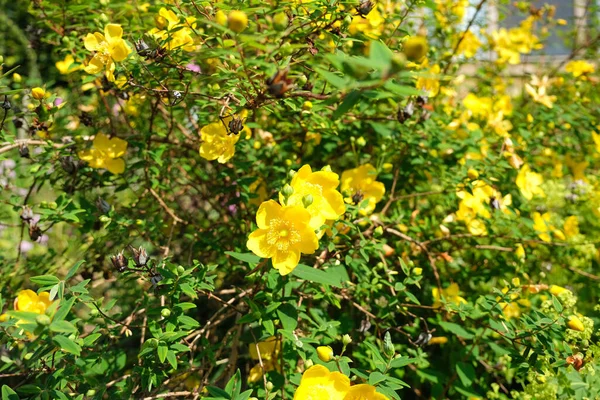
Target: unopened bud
[346,339]
[325,353]
[307,200]
[388,346]
[269,386]
[165,312]
[378,231]
[287,191]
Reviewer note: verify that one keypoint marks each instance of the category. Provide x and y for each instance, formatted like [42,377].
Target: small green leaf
[172,358]
[456,329]
[349,101]
[188,321]
[73,270]
[376,377]
[45,280]
[67,345]
[288,315]
[466,373]
[8,393]
[317,275]
[162,351]
[62,327]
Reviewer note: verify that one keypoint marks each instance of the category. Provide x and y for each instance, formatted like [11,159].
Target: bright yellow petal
[285,262]
[113,32]
[309,242]
[26,300]
[257,243]
[266,212]
[115,165]
[120,51]
[95,65]
[92,41]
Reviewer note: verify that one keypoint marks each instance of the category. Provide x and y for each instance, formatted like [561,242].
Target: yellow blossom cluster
[108,48]
[477,203]
[509,44]
[218,139]
[288,229]
[174,33]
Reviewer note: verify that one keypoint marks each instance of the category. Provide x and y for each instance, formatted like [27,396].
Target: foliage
[337,199]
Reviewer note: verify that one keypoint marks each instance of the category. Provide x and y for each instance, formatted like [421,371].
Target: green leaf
[172,358]
[64,309]
[162,351]
[332,78]
[73,270]
[379,54]
[89,340]
[376,377]
[288,315]
[62,327]
[466,373]
[349,101]
[188,321]
[185,306]
[317,275]
[557,306]
[67,345]
[218,393]
[8,393]
[456,329]
[45,280]
[245,257]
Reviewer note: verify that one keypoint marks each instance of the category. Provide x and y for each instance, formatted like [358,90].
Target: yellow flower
[469,45]
[529,183]
[541,224]
[520,251]
[218,143]
[557,290]
[269,354]
[364,392]
[237,21]
[325,353]
[327,202]
[450,294]
[430,83]
[109,48]
[283,233]
[415,48]
[30,301]
[539,95]
[319,384]
[65,66]
[38,93]
[571,226]
[106,153]
[371,25]
[360,183]
[175,34]
[221,18]
[579,67]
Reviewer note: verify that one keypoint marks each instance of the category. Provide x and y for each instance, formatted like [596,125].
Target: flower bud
[325,353]
[221,18]
[361,142]
[417,271]
[287,191]
[378,231]
[281,20]
[38,93]
[307,200]
[165,312]
[575,324]
[269,386]
[388,346]
[152,343]
[43,320]
[17,78]
[180,270]
[307,106]
[557,290]
[308,364]
[472,174]
[346,339]
[237,21]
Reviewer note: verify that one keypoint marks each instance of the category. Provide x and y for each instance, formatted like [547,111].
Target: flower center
[282,234]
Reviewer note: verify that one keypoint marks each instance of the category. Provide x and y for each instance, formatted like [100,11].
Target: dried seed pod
[119,261]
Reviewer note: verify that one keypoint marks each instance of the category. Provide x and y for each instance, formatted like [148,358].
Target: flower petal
[92,41]
[257,243]
[266,212]
[95,65]
[113,32]
[120,51]
[115,166]
[286,262]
